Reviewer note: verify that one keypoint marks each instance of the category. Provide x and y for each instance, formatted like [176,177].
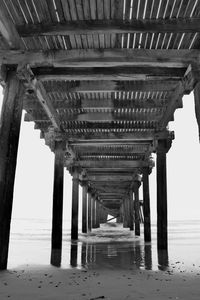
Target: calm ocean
[110,246]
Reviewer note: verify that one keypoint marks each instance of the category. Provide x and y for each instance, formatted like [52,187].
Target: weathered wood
[125,214]
[8,29]
[137,209]
[116,73]
[84,208]
[129,164]
[9,137]
[26,74]
[94,213]
[163,260]
[146,206]
[110,178]
[57,215]
[89,212]
[107,137]
[103,116]
[162,235]
[74,254]
[100,104]
[97,225]
[174,103]
[113,86]
[101,58]
[75,204]
[186,25]
[197,104]
[131,210]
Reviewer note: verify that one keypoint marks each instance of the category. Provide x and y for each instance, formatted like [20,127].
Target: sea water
[111,246]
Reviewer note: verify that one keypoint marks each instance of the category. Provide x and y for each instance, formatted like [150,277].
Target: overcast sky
[34,176]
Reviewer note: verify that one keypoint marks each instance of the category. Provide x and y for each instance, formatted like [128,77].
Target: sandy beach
[37,282]
[110,263]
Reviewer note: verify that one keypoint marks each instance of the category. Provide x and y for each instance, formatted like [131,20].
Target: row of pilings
[9,138]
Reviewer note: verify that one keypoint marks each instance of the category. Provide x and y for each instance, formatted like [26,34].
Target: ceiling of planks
[105,76]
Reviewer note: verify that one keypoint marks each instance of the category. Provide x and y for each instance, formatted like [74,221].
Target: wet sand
[51,283]
[110,263]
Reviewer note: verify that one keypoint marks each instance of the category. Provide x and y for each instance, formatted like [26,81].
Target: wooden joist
[111,164]
[30,103]
[87,58]
[109,86]
[8,29]
[116,73]
[115,150]
[186,25]
[101,116]
[110,178]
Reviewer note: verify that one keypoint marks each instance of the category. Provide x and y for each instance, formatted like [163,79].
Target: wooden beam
[111,86]
[31,103]
[8,29]
[105,138]
[26,74]
[170,58]
[186,25]
[119,73]
[109,178]
[94,117]
[111,164]
[118,149]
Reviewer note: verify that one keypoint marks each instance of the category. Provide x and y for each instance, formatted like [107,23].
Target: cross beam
[186,25]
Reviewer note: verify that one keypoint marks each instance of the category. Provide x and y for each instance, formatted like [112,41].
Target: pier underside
[101,80]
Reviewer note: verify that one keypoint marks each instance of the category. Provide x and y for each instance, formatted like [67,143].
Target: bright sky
[34,176]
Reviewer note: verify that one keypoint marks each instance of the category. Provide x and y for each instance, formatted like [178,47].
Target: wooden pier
[100,80]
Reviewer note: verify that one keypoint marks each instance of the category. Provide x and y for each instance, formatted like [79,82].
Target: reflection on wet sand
[115,253]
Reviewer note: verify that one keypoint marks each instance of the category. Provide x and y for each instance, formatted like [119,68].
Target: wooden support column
[75,200]
[9,137]
[162,237]
[137,209]
[197,104]
[121,214]
[84,209]
[97,214]
[146,206]
[56,235]
[89,212]
[131,211]
[93,213]
[125,217]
